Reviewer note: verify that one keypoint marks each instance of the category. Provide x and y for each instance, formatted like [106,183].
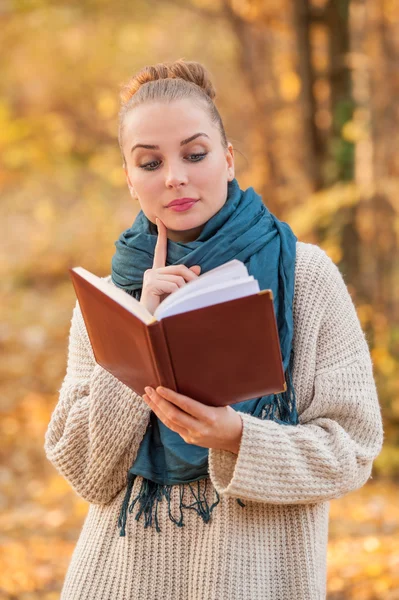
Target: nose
[175,176]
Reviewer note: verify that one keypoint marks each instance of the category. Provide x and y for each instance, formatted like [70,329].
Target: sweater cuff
[103,377]
[230,472]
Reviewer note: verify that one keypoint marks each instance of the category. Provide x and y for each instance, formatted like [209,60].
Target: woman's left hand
[207,426]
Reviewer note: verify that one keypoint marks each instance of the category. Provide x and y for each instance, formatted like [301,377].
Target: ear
[129,184]
[230,162]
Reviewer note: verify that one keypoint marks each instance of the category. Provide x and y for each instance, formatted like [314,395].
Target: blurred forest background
[308,91]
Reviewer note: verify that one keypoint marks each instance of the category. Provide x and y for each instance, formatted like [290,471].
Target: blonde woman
[187,501]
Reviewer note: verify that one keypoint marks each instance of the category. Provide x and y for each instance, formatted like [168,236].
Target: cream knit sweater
[273,549]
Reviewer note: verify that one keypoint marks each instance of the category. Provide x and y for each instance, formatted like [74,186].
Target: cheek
[210,174]
[147,187]
[215,177]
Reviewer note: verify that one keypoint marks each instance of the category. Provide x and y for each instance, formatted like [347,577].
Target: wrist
[235,442]
[148,303]
[234,447]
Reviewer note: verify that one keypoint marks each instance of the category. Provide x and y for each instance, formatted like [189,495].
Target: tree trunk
[371,250]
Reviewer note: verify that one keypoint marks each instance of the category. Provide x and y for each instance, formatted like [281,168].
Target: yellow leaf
[290,86]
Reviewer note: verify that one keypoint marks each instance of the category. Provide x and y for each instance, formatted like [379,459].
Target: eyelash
[145,167]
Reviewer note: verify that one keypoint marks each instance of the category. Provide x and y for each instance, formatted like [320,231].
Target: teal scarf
[243,229]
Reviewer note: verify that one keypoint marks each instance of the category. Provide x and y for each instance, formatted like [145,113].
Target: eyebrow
[183,143]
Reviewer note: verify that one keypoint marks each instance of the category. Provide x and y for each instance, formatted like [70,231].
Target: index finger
[196,409]
[161,247]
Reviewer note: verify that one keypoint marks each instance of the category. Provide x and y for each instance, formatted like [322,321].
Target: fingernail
[148,390]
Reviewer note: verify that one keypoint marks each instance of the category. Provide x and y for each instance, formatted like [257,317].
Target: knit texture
[275,547]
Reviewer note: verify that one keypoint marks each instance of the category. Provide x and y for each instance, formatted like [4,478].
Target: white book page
[117,294]
[227,272]
[221,292]
[233,266]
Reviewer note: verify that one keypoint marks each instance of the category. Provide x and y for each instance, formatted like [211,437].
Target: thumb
[196,269]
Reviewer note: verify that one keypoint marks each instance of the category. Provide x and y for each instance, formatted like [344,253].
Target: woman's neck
[185,236]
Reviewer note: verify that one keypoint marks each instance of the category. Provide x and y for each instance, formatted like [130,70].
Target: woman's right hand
[160,281]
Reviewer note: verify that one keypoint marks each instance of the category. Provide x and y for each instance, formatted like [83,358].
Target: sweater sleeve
[97,425]
[340,432]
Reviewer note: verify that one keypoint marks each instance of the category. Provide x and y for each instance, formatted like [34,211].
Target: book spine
[161,355]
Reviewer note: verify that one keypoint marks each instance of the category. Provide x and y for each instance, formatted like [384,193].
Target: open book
[215,339]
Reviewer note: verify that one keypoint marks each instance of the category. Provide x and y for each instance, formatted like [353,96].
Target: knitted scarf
[243,229]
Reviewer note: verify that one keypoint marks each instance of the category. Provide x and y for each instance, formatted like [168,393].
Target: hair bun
[190,71]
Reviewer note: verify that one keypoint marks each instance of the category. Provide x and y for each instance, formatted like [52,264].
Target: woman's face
[180,164]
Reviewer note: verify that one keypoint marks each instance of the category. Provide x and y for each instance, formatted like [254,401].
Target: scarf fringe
[152,493]
[284,402]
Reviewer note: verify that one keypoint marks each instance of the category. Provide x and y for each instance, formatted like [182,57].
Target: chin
[182,223]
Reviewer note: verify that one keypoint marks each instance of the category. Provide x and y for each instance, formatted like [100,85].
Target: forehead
[154,121]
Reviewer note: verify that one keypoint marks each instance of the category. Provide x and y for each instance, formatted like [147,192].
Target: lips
[179,201]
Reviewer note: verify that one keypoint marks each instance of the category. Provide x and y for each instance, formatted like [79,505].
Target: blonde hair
[168,82]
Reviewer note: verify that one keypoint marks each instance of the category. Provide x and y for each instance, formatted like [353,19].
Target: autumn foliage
[308,93]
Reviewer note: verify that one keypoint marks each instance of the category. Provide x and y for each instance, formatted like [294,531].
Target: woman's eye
[148,167]
[153,165]
[199,156]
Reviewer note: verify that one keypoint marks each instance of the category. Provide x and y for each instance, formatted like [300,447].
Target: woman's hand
[160,281]
[207,426]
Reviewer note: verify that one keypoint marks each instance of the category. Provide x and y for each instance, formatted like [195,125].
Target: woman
[258,476]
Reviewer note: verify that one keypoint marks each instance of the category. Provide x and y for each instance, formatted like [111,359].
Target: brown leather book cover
[219,355]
